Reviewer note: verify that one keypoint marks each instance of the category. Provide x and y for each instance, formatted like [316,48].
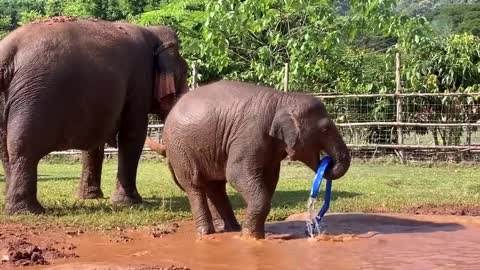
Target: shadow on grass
[177,203]
[104,206]
[358,224]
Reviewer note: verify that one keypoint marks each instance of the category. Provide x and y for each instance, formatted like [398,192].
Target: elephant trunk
[340,155]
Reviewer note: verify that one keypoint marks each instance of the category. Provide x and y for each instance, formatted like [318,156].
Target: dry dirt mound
[30,245]
[22,253]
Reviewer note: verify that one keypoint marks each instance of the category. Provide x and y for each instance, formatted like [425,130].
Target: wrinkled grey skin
[77,84]
[225,223]
[240,132]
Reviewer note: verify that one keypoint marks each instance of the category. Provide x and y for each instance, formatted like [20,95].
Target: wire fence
[433,127]
[401,126]
[421,127]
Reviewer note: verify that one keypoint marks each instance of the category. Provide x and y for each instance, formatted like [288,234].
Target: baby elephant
[240,132]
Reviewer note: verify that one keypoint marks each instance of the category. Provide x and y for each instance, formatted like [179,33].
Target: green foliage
[79,8]
[185,16]
[422,7]
[459,18]
[251,40]
[29,16]
[5,22]
[15,9]
[444,64]
[22,11]
[53,8]
[331,45]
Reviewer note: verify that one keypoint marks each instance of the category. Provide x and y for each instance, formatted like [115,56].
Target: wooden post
[285,81]
[398,91]
[194,76]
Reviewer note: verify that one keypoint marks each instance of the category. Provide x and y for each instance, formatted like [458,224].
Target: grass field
[365,188]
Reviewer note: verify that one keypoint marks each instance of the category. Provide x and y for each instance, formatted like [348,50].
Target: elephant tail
[157,147]
[161,149]
[173,175]
[3,83]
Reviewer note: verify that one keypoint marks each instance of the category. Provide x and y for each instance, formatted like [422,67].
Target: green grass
[365,188]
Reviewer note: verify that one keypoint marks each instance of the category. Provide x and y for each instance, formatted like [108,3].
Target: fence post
[194,76]
[398,91]
[285,81]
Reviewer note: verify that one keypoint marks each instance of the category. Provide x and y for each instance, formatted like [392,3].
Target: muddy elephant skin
[240,132]
[77,84]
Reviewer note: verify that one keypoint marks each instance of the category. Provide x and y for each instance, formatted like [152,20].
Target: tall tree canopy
[331,45]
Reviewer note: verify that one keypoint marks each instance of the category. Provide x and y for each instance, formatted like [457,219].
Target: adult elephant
[76,84]
[240,132]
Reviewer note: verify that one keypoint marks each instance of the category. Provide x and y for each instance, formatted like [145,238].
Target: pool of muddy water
[352,241]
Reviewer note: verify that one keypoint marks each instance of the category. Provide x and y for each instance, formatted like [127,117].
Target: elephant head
[306,130]
[170,75]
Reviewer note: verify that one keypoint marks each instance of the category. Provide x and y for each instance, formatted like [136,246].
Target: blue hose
[326,204]
[317,181]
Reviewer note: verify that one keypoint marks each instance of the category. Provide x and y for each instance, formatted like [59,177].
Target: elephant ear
[286,127]
[164,74]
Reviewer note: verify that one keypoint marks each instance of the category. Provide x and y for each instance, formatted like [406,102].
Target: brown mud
[351,241]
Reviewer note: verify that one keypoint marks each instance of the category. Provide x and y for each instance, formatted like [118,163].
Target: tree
[458,18]
[5,22]
[188,18]
[423,7]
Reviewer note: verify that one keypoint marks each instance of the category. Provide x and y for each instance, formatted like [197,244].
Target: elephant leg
[220,207]
[200,211]
[90,181]
[271,177]
[22,189]
[131,139]
[257,194]
[258,207]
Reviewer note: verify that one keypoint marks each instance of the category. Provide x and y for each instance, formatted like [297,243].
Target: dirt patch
[57,19]
[445,210]
[74,233]
[161,231]
[32,245]
[23,253]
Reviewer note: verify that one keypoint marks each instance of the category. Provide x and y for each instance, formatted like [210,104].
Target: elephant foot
[120,197]
[89,193]
[204,230]
[24,207]
[232,226]
[228,226]
[248,234]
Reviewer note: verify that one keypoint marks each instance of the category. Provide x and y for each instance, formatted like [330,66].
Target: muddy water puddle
[352,241]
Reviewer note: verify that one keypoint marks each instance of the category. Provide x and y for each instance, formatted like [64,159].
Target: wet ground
[352,241]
